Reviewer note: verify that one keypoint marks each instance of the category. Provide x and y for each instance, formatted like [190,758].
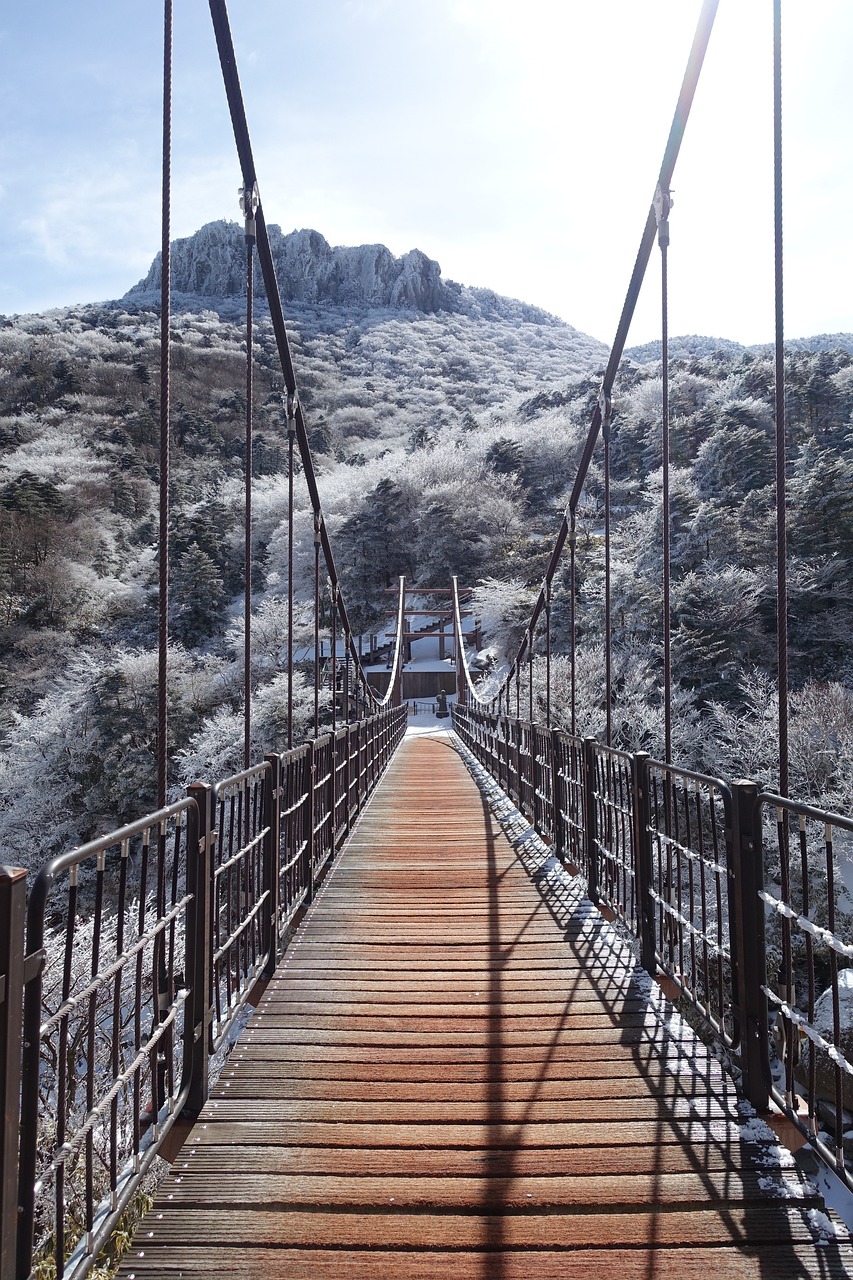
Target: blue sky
[518,145]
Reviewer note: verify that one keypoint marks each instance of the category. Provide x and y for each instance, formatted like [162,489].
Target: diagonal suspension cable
[236,106]
[686,95]
[247,197]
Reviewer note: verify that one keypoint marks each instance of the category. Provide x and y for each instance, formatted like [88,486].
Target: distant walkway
[456,1074]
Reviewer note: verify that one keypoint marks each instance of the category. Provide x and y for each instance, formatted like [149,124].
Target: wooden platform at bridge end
[458,1072]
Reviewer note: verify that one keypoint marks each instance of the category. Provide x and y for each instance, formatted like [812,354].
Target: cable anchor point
[249,202]
[662,205]
[292,408]
[605,406]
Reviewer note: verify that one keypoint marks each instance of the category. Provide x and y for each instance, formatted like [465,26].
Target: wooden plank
[321,1229]
[497,1111]
[253,1088]
[455,1162]
[581,1132]
[492,1191]
[454,1075]
[786,1261]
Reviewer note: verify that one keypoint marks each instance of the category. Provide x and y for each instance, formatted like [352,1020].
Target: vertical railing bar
[13,893]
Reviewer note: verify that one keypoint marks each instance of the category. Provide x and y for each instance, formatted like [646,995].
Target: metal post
[272,847]
[310,806]
[200,840]
[590,824]
[749,956]
[557,820]
[30,1073]
[13,895]
[643,855]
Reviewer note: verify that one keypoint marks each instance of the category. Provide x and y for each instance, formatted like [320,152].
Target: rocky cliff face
[212,264]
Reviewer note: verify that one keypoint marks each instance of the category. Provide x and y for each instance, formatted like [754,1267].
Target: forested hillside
[445,442]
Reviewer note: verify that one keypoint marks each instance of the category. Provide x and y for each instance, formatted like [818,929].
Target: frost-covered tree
[197,597]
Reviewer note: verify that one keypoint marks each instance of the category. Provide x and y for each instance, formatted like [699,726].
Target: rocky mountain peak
[211,265]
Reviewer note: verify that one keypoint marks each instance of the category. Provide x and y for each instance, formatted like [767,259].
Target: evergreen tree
[376,548]
[197,597]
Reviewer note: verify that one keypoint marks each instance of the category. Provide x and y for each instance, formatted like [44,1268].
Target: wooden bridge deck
[456,1073]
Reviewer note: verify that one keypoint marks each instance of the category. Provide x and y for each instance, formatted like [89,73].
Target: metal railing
[807,978]
[141,950]
[722,886]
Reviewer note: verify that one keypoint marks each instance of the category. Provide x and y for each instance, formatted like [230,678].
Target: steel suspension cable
[548,656]
[663,204]
[695,60]
[246,198]
[334,631]
[317,654]
[573,539]
[781,494]
[165,395]
[608,630]
[291,440]
[236,106]
[530,674]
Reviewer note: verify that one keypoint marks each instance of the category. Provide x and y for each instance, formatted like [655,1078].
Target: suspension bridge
[497,998]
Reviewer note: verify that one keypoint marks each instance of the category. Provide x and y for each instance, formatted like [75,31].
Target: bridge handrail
[812,1041]
[96,997]
[678,857]
[169,924]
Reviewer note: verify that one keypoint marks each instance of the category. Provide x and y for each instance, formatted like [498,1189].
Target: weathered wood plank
[580,1132]
[737,1261]
[455,1162]
[489,1193]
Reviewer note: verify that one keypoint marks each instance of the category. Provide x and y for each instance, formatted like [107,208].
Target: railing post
[557,818]
[200,838]
[271,855]
[333,794]
[544,784]
[311,809]
[13,895]
[749,953]
[643,855]
[590,824]
[30,1070]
